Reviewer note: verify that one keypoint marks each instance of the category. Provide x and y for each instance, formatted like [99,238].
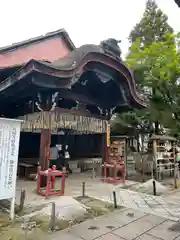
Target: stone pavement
[165,206]
[125,224]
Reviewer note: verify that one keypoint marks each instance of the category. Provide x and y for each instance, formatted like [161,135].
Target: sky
[85,21]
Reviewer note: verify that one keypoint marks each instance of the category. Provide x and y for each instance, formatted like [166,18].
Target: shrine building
[60,90]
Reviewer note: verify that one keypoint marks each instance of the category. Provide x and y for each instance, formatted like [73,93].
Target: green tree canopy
[152,26]
[157,65]
[152,49]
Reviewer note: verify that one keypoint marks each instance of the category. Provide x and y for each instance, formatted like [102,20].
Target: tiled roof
[60,32]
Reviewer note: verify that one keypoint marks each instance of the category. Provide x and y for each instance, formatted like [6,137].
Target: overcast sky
[85,21]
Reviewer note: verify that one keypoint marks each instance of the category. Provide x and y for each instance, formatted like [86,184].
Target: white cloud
[85,21]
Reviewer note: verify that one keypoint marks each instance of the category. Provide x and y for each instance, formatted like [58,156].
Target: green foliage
[152,26]
[154,58]
[155,62]
[132,123]
[158,67]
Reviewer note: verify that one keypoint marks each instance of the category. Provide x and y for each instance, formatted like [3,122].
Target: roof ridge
[38,38]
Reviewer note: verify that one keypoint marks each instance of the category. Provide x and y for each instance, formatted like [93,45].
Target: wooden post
[125,156]
[154,148]
[175,167]
[154,187]
[142,162]
[53,217]
[22,199]
[83,189]
[107,142]
[114,200]
[103,147]
[44,152]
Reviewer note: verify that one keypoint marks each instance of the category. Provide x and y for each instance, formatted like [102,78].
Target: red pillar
[45,151]
[105,150]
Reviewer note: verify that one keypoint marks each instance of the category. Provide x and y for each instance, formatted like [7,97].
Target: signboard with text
[9,150]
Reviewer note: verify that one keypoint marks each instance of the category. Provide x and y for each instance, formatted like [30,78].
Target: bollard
[154,187]
[53,217]
[143,175]
[114,200]
[22,199]
[83,189]
[175,175]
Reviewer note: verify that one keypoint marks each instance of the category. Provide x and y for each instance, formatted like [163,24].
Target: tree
[152,26]
[158,64]
[158,67]
[133,124]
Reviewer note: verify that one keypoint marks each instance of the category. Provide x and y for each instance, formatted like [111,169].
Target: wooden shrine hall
[79,91]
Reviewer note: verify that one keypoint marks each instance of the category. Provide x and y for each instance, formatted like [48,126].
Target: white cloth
[53,153]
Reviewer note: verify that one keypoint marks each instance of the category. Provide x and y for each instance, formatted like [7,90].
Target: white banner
[9,150]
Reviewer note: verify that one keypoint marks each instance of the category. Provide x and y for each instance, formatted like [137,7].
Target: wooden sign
[59,120]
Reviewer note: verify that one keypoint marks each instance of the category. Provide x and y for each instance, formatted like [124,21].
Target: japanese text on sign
[9,148]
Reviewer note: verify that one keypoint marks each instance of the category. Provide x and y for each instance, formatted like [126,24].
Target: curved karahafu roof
[66,72]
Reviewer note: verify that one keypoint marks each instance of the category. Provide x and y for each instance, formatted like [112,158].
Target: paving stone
[127,216]
[147,237]
[163,231]
[161,201]
[148,203]
[160,213]
[91,229]
[140,201]
[64,236]
[128,204]
[178,238]
[95,228]
[153,219]
[110,222]
[110,236]
[174,211]
[138,227]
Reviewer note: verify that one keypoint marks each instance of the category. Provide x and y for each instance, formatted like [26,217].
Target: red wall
[49,49]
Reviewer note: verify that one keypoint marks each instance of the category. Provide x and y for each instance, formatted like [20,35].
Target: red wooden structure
[114,165]
[50,175]
[115,168]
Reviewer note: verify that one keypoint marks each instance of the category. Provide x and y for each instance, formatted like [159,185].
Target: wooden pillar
[45,148]
[106,143]
[44,152]
[154,163]
[104,148]
[125,155]
[176,169]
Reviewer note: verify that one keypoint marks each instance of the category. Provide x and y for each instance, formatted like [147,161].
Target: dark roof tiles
[62,32]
